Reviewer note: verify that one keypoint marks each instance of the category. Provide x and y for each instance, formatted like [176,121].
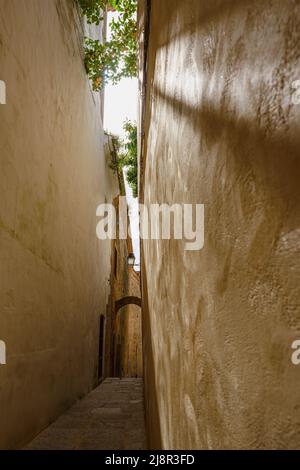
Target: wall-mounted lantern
[131,259]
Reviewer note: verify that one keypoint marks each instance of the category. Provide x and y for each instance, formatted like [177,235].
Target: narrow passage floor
[111,418]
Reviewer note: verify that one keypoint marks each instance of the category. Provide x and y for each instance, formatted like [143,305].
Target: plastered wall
[222,129]
[53,271]
[126,330]
[133,364]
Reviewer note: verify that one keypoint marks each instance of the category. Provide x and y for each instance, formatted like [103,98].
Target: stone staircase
[110,418]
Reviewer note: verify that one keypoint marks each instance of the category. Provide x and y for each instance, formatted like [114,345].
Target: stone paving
[109,418]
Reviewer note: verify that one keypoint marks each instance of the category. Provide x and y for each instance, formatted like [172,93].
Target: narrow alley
[111,417]
[149,225]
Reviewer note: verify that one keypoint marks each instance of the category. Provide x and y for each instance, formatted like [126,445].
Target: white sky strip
[121,104]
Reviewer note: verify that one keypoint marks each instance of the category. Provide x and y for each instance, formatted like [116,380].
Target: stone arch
[127,301]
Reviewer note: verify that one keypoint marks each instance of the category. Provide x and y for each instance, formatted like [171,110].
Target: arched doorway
[127,301]
[127,338]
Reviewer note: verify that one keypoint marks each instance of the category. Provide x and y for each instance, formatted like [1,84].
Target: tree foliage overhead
[116,58]
[123,155]
[128,156]
[93,10]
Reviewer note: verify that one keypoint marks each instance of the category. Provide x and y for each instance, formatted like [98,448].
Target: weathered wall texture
[125,344]
[53,270]
[133,364]
[221,129]
[128,355]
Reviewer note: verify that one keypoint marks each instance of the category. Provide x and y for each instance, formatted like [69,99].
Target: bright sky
[120,104]
[134,223]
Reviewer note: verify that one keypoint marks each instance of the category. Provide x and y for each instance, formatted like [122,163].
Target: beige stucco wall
[222,130]
[53,270]
[125,345]
[133,364]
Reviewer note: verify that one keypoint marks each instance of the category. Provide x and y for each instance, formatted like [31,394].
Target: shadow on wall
[150,386]
[209,13]
[270,151]
[221,128]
